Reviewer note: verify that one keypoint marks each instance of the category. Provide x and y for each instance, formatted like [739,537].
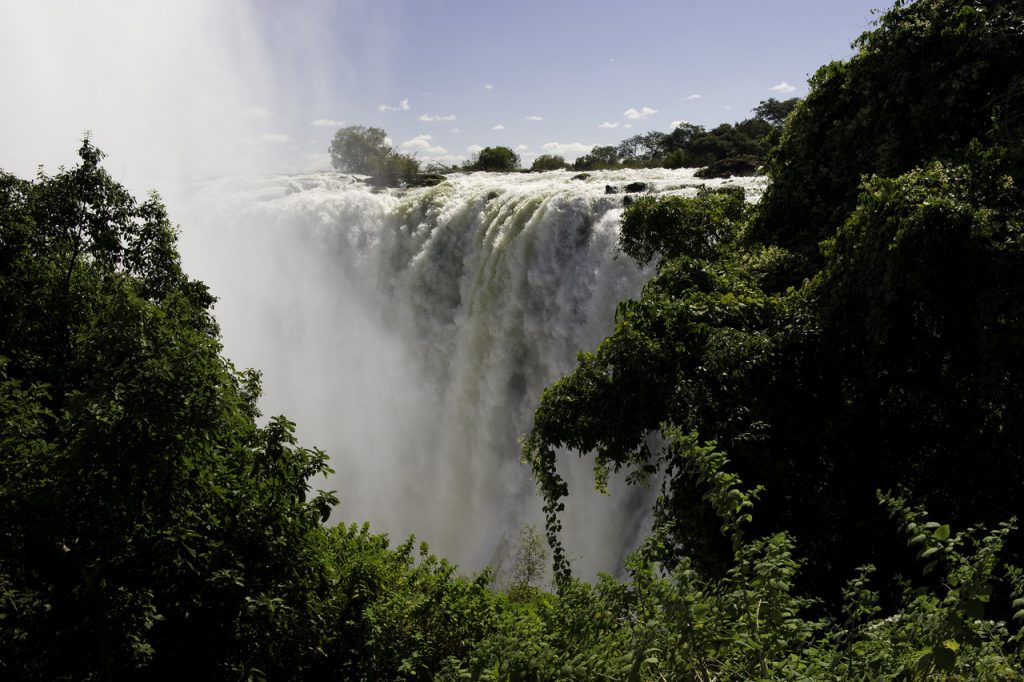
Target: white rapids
[409,333]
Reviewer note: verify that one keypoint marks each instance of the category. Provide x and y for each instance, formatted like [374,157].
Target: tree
[598,158]
[775,111]
[641,148]
[356,149]
[495,159]
[927,81]
[149,522]
[860,330]
[547,162]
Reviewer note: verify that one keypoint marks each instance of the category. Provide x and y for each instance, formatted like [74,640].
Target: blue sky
[199,87]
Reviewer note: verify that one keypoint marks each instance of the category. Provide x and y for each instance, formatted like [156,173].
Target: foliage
[148,520]
[893,364]
[152,527]
[357,149]
[934,75]
[494,159]
[598,158]
[699,227]
[547,162]
[774,111]
[354,148]
[734,149]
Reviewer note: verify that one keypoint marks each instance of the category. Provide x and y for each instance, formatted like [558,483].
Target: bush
[547,162]
[495,159]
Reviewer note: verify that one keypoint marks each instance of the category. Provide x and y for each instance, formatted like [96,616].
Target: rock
[740,166]
[636,187]
[627,200]
[581,176]
[426,180]
[611,189]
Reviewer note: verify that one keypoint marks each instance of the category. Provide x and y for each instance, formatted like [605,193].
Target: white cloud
[643,112]
[274,137]
[422,144]
[690,98]
[627,125]
[474,148]
[533,118]
[783,87]
[608,124]
[522,148]
[455,130]
[488,86]
[566,149]
[256,112]
[728,107]
[500,126]
[402,106]
[327,123]
[432,118]
[676,124]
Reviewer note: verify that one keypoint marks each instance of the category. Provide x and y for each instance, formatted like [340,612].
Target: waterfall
[410,333]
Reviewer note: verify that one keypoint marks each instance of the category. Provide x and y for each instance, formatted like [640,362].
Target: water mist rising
[410,334]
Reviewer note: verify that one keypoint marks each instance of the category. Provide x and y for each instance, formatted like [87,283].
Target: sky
[192,88]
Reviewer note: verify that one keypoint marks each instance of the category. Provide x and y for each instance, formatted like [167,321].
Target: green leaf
[941,533]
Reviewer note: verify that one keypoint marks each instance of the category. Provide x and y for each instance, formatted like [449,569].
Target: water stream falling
[410,333]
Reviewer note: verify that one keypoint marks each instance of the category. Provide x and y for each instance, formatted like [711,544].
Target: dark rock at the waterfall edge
[426,180]
[634,187]
[420,180]
[581,176]
[627,200]
[740,166]
[611,189]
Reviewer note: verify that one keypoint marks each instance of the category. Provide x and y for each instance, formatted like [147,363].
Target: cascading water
[410,333]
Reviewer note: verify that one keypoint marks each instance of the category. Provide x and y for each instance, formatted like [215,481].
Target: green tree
[929,79]
[149,523]
[356,149]
[775,111]
[495,159]
[547,162]
[641,148]
[598,158]
[877,361]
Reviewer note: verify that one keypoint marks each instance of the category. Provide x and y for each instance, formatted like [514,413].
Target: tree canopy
[494,159]
[884,357]
[357,149]
[546,162]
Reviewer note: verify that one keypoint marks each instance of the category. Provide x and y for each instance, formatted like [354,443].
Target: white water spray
[410,334]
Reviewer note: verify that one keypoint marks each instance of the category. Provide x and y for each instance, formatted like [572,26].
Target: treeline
[804,376]
[726,150]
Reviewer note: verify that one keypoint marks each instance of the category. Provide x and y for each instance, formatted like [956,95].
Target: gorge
[410,333]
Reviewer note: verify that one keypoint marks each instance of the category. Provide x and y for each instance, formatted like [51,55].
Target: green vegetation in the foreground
[858,330]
